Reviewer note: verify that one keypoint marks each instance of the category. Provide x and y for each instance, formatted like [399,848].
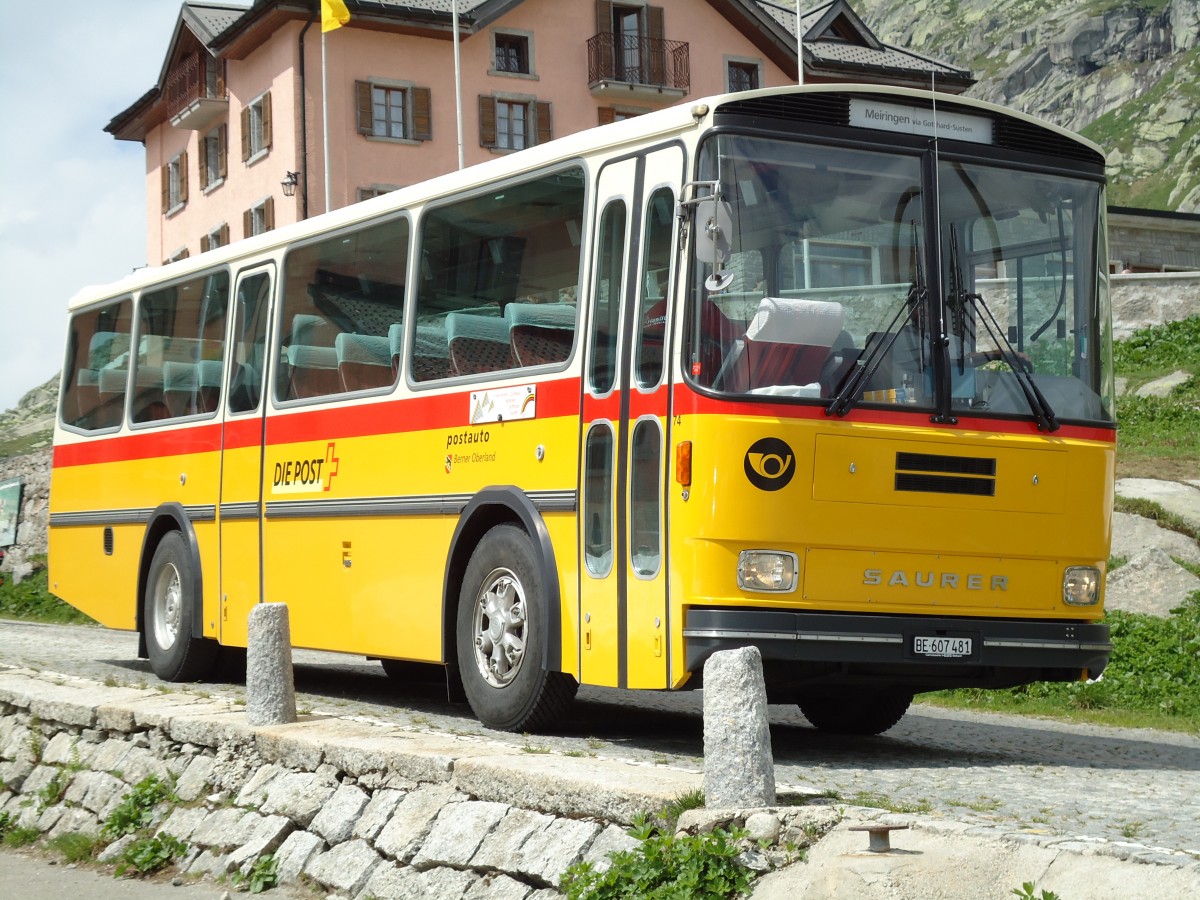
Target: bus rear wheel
[168,609]
[501,637]
[861,711]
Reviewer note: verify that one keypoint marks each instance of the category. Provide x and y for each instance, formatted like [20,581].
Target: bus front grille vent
[824,109]
[1013,134]
[930,473]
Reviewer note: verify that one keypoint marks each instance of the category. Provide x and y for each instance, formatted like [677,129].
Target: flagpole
[457,84]
[325,117]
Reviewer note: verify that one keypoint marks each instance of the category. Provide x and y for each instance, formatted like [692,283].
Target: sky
[72,197]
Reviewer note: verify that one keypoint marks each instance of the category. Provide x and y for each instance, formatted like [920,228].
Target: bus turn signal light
[683,463]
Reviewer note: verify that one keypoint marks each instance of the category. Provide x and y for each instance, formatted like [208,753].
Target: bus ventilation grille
[1013,134]
[824,109]
[931,474]
[108,541]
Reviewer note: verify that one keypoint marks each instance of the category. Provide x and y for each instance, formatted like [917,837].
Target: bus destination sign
[914,120]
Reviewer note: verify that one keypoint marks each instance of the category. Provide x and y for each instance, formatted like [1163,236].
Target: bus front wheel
[862,711]
[501,637]
[169,606]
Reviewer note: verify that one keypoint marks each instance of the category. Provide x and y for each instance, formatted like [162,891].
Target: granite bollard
[270,685]
[739,770]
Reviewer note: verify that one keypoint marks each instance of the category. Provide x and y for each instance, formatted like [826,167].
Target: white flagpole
[457,84]
[325,117]
[799,45]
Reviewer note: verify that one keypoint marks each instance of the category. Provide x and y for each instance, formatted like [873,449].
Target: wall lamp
[289,184]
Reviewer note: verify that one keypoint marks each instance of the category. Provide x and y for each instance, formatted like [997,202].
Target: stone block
[392,882]
[210,862]
[457,833]
[346,867]
[497,886]
[40,779]
[299,796]
[267,835]
[101,791]
[141,763]
[114,851]
[255,791]
[377,812]
[75,821]
[402,836]
[293,746]
[65,749]
[222,829]
[110,756]
[501,846]
[14,773]
[546,855]
[49,817]
[294,854]
[183,821]
[739,770]
[194,782]
[270,684]
[335,822]
[612,839]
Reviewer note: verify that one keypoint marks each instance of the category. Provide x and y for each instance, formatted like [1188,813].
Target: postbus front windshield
[820,278]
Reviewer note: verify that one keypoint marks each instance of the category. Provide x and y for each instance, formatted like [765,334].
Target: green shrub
[261,876]
[136,809]
[150,854]
[1160,349]
[665,867]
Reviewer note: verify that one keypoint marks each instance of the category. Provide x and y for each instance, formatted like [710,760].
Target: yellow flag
[333,14]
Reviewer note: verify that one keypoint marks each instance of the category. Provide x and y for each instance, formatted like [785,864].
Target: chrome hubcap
[168,603]
[499,627]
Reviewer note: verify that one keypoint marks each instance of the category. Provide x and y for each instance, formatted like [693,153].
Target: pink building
[234,130]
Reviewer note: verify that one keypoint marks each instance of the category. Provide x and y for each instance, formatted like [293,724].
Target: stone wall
[359,809]
[33,524]
[1140,301]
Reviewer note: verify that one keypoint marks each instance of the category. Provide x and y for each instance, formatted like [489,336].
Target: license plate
[946,647]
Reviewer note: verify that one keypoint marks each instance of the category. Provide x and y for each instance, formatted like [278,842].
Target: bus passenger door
[626,405]
[241,508]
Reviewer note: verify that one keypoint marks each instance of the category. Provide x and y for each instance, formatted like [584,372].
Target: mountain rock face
[1125,73]
[30,425]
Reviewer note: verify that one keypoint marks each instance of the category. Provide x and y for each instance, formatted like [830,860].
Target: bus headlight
[767,570]
[1081,586]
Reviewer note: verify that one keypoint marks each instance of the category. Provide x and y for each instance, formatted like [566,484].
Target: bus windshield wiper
[957,299]
[914,308]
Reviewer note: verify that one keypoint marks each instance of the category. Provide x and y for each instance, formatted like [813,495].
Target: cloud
[72,199]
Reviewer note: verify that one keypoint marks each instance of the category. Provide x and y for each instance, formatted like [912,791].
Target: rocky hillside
[30,426]
[1125,73]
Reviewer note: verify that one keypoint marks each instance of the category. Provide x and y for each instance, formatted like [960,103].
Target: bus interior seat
[540,333]
[789,340]
[104,349]
[364,361]
[477,343]
[111,386]
[149,400]
[208,393]
[431,353]
[313,371]
[396,346]
[181,385]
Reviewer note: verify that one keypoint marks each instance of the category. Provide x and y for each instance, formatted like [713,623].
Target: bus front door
[241,507]
[623,618]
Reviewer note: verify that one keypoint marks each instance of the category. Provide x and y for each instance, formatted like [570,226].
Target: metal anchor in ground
[880,841]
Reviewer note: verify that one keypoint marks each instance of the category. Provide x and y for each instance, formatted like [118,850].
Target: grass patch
[1152,679]
[32,601]
[136,809]
[74,847]
[1148,509]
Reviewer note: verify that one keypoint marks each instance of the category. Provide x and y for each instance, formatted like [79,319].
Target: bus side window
[656,287]
[99,340]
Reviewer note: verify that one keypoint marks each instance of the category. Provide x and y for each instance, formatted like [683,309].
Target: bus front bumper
[921,653]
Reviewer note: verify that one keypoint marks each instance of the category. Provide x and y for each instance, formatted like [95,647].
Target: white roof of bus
[606,138]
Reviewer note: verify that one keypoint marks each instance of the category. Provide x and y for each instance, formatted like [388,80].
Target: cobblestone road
[1117,784]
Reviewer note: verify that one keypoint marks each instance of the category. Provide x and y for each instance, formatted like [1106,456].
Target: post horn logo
[770,464]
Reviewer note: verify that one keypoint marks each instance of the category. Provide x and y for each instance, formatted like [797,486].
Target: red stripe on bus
[147,445]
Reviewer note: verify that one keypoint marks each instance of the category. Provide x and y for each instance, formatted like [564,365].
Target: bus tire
[501,637]
[168,609]
[862,711]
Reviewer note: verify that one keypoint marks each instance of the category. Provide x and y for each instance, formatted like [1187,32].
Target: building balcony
[622,66]
[195,101]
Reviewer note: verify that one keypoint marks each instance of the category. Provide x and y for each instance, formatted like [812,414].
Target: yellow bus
[824,370]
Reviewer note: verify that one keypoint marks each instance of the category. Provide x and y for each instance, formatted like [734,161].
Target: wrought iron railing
[633,60]
[188,83]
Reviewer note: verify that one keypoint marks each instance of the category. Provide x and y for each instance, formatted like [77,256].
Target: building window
[375,190]
[181,253]
[742,76]
[256,128]
[213,155]
[609,114]
[513,123]
[259,219]
[512,54]
[218,237]
[394,110]
[175,183]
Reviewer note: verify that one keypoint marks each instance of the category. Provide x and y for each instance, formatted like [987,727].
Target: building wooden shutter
[607,115]
[225,234]
[366,115]
[183,177]
[422,113]
[204,243]
[248,223]
[203,167]
[487,121]
[544,131]
[604,16]
[269,214]
[655,30]
[223,151]
[166,188]
[266,120]
[245,134]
